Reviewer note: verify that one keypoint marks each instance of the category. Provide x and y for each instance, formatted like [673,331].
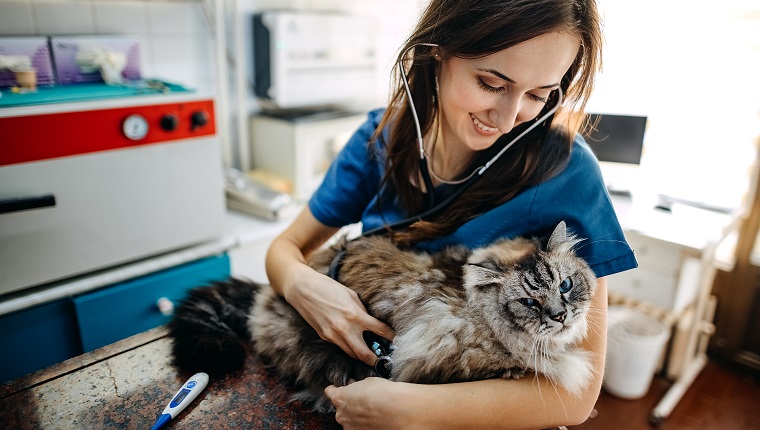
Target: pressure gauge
[135,127]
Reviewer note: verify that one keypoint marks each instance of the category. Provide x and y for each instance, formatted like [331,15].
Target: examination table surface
[126,385]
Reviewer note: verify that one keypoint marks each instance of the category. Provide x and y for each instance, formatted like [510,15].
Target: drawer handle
[165,306]
[18,204]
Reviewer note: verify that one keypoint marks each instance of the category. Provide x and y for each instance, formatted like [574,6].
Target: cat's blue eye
[566,285]
[527,301]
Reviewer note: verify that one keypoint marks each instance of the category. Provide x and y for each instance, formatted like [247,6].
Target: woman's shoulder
[374,116]
[579,182]
[581,169]
[365,133]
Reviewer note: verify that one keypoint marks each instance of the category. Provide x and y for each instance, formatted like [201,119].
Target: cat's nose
[559,317]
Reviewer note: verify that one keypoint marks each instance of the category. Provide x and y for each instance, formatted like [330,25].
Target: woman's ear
[436,51]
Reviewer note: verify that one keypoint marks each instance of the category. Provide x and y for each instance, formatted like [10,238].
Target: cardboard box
[69,70]
[38,51]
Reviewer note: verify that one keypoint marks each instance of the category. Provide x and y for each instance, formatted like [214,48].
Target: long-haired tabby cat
[515,306]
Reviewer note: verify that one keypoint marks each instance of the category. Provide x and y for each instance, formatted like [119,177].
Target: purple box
[38,51]
[66,48]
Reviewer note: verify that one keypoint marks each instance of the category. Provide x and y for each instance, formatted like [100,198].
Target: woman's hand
[336,313]
[369,404]
[333,310]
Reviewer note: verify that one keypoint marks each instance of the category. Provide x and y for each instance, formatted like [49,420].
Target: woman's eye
[489,88]
[536,98]
[566,285]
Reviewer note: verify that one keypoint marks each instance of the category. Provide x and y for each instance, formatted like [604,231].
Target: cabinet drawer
[125,309]
[105,214]
[664,256]
[650,286]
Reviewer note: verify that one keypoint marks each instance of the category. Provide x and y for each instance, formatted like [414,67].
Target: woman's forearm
[528,403]
[286,257]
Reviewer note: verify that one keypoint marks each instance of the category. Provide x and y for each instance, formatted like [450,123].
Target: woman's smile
[482,128]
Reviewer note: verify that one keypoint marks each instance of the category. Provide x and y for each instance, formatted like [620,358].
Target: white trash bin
[635,345]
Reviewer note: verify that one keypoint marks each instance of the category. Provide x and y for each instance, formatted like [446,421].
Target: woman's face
[483,98]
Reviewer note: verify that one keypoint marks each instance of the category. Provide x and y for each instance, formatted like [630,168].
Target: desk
[127,384]
[669,247]
[677,252]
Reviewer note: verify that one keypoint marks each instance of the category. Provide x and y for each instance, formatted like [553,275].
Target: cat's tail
[209,328]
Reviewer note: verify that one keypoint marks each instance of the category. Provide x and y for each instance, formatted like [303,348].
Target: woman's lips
[482,127]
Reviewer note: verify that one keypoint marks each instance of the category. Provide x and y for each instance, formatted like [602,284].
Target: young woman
[480,73]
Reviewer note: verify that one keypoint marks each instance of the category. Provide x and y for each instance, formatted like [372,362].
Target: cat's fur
[459,315]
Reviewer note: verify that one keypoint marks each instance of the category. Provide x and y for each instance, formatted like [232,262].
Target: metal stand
[699,333]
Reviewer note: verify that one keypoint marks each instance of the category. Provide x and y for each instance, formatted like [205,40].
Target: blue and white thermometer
[184,396]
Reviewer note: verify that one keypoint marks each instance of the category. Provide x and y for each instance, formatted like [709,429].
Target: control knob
[169,122]
[198,119]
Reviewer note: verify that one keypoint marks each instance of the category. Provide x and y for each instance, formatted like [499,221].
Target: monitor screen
[616,138]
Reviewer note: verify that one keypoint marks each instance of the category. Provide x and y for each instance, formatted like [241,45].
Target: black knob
[169,122]
[198,119]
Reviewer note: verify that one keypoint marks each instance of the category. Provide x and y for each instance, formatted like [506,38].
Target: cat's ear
[558,237]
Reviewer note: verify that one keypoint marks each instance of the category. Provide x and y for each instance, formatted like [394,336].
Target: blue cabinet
[36,338]
[128,308]
[44,335]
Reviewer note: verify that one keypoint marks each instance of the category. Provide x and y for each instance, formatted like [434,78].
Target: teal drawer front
[36,338]
[128,308]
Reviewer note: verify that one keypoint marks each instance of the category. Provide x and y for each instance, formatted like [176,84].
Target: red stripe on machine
[31,138]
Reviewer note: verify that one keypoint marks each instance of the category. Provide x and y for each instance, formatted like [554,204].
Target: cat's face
[543,292]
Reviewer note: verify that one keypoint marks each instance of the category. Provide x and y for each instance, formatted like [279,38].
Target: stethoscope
[432,206]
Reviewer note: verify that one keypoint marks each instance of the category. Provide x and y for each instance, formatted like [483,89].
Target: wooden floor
[719,399]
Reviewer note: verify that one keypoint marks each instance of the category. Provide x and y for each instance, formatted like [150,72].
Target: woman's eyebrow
[512,81]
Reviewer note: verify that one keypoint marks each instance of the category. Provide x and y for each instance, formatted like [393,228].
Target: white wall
[693,67]
[176,40]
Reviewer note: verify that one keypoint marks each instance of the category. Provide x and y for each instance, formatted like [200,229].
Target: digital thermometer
[184,396]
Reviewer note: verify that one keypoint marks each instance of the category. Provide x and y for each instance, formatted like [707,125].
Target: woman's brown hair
[473,29]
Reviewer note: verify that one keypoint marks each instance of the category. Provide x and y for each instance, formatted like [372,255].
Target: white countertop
[240,229]
[686,226]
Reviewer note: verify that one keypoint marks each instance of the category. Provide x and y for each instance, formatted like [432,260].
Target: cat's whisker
[534,355]
[594,329]
[553,383]
[593,323]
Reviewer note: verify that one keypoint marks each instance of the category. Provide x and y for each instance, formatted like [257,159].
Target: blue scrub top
[577,195]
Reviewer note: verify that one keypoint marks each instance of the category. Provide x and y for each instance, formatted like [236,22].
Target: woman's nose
[506,114]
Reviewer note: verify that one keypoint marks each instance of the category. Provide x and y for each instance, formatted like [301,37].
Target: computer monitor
[616,138]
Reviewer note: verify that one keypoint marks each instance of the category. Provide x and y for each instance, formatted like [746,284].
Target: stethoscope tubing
[432,207]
